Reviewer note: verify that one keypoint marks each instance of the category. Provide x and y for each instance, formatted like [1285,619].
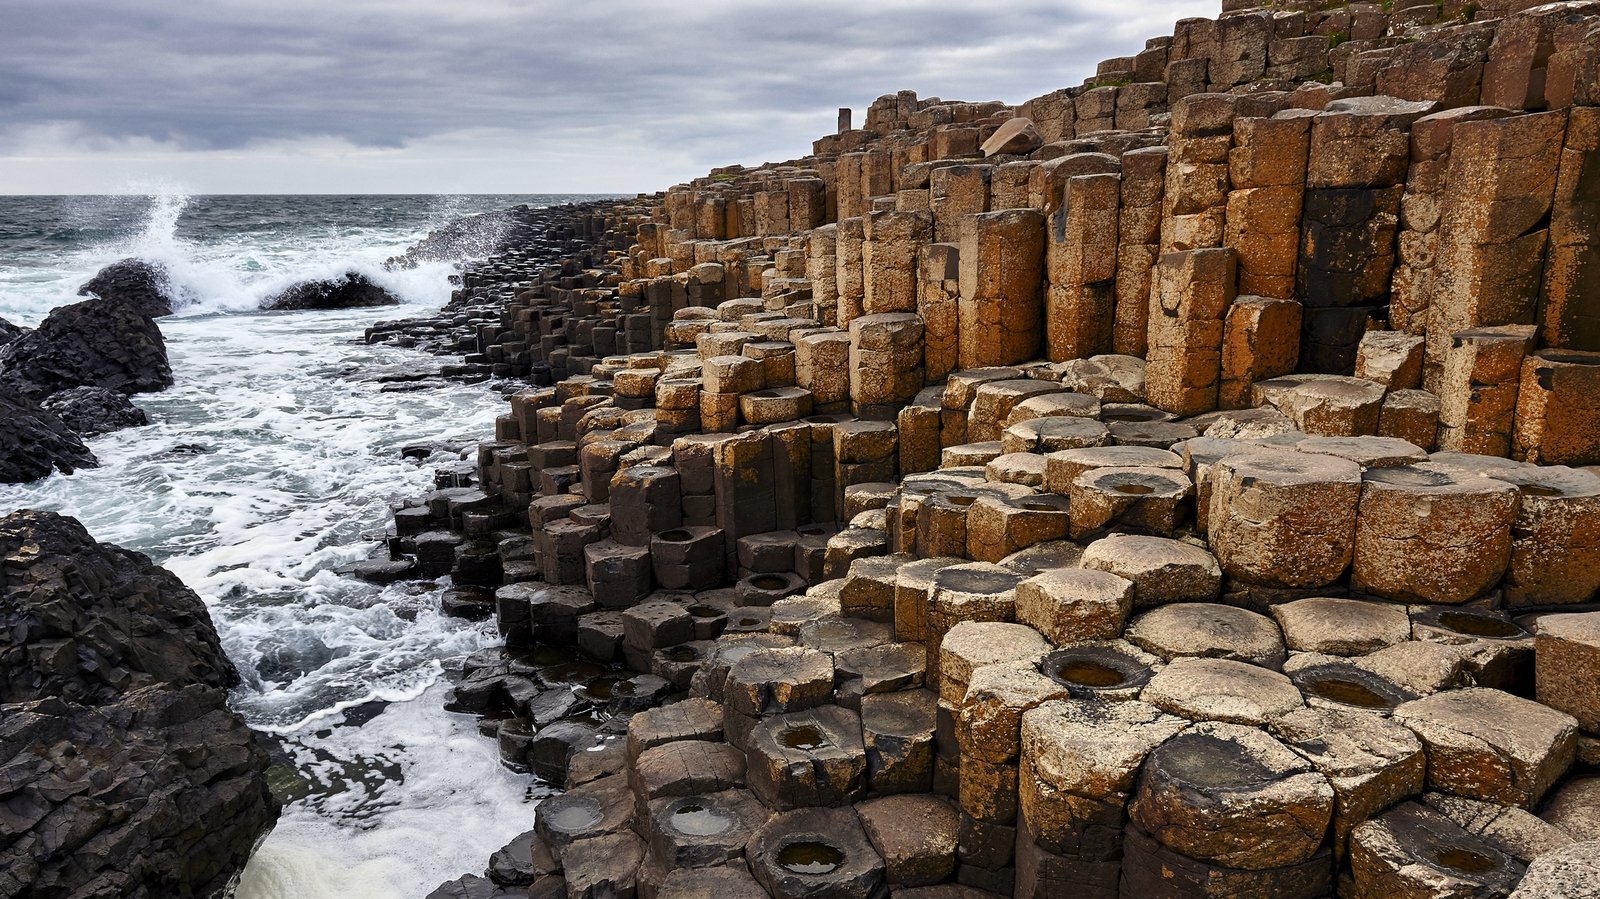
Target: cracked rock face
[352,291]
[128,775]
[136,282]
[36,444]
[98,343]
[92,411]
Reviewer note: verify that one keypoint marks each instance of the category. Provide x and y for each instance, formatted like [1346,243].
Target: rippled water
[270,462]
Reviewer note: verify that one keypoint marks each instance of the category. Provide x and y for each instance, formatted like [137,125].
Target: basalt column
[1360,150]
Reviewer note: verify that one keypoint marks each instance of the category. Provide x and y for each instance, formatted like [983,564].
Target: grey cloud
[718,81]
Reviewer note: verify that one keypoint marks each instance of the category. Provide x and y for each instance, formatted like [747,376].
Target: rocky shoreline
[1130,492]
[1182,485]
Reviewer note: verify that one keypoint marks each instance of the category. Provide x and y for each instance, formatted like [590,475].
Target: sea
[274,459]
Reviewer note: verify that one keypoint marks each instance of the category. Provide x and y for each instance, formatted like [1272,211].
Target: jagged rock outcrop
[127,774]
[90,621]
[92,411]
[35,443]
[469,237]
[139,283]
[352,291]
[98,343]
[10,332]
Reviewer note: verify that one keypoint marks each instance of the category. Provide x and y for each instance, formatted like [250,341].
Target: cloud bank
[494,96]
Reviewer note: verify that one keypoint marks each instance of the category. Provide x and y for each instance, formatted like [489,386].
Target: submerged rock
[35,443]
[352,291]
[138,283]
[92,411]
[128,774]
[95,343]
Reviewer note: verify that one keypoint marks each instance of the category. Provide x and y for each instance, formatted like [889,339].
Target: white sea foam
[414,797]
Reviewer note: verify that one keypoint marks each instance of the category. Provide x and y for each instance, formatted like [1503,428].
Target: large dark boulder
[95,343]
[126,772]
[34,443]
[352,291]
[157,795]
[90,621]
[92,411]
[143,285]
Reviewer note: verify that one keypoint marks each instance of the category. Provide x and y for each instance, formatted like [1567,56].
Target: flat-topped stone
[1222,690]
[1234,796]
[972,644]
[1412,849]
[1064,467]
[1208,630]
[1567,666]
[1342,627]
[1162,570]
[1426,535]
[1069,605]
[1487,744]
[1283,519]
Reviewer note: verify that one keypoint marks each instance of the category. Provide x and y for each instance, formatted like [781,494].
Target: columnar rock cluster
[1171,486]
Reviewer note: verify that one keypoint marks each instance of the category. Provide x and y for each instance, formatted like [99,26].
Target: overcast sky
[497,96]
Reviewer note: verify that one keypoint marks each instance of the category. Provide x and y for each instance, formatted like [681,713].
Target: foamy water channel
[270,462]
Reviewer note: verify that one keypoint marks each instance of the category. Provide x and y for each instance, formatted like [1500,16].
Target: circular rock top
[1233,796]
[1222,690]
[1209,630]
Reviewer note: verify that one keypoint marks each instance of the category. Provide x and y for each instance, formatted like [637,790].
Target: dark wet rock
[522,861]
[172,806]
[127,773]
[141,284]
[352,291]
[90,621]
[469,237]
[92,411]
[10,332]
[35,444]
[95,343]
[378,571]
[474,887]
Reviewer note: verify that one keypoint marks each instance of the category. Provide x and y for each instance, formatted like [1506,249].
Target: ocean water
[274,459]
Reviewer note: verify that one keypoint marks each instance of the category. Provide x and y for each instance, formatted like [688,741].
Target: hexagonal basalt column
[698,831]
[1283,519]
[1233,796]
[1425,535]
[1413,850]
[1069,605]
[1079,764]
[1489,745]
[1149,500]
[810,758]
[1162,570]
[815,852]
[898,729]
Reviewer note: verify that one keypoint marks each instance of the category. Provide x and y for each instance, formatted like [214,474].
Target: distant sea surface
[271,461]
